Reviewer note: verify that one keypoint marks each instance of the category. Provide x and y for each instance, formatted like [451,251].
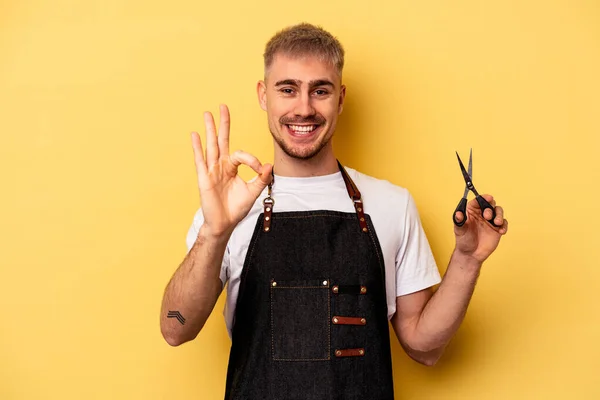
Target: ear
[341,99]
[261,91]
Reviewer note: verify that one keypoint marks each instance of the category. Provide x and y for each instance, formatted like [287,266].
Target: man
[317,257]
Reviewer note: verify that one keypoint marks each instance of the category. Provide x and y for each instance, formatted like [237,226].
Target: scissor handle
[462,207]
[484,204]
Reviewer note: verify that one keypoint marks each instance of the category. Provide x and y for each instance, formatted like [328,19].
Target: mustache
[317,120]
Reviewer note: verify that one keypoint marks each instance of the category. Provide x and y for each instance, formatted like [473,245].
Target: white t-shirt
[409,262]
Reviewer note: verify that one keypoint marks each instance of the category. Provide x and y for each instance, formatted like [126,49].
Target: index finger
[474,204]
[224,126]
[198,155]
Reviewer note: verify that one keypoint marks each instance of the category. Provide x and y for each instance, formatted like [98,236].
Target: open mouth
[302,130]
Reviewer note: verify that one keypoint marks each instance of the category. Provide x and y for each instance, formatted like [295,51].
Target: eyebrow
[296,82]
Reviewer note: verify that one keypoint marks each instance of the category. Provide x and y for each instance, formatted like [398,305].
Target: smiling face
[303,97]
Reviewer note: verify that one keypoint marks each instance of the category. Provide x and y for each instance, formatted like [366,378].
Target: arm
[194,288]
[424,322]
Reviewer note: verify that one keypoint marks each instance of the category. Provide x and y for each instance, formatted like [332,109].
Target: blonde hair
[305,40]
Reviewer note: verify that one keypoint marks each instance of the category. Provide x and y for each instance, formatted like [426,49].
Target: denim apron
[311,315]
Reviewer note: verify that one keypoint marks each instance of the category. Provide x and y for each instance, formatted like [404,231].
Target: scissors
[483,203]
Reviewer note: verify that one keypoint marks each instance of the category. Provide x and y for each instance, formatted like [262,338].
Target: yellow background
[98,187]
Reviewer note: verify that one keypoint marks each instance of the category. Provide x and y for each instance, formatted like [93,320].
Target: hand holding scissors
[462,205]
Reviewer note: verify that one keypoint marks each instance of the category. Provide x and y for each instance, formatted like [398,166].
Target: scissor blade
[470,168]
[465,176]
[469,171]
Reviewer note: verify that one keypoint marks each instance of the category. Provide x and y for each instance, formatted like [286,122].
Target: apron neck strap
[351,188]
[356,197]
[353,191]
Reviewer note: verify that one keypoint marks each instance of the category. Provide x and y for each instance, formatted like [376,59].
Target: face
[303,98]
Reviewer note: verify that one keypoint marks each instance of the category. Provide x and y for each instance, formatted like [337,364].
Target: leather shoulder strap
[353,192]
[355,195]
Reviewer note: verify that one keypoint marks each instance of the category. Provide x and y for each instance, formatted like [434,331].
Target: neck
[323,163]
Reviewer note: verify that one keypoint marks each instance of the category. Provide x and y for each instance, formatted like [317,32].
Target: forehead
[302,68]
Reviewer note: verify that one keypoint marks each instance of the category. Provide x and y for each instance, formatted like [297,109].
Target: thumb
[460,217]
[260,182]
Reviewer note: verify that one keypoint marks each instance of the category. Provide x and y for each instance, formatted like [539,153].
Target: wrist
[207,235]
[466,261]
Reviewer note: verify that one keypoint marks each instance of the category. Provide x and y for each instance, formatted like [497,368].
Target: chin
[304,151]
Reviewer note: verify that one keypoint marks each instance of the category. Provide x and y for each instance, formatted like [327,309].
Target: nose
[304,107]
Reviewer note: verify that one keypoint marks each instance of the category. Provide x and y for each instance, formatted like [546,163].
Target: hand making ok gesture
[226,197]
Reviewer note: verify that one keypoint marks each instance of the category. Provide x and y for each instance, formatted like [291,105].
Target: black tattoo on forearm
[176,314]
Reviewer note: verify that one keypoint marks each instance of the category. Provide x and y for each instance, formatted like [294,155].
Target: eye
[320,92]
[287,90]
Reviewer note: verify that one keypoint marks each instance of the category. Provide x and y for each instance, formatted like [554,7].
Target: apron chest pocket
[300,320]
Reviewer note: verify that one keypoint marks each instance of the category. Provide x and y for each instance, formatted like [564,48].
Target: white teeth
[302,129]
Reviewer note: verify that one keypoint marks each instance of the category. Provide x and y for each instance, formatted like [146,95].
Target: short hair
[305,40]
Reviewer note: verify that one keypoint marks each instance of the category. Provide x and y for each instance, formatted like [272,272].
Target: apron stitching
[376,250]
[298,287]
[245,270]
[272,330]
[328,325]
[381,266]
[316,215]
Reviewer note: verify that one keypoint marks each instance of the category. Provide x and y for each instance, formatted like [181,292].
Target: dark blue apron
[311,315]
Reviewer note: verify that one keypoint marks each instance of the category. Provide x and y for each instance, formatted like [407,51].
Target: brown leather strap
[268,203]
[350,352]
[337,320]
[355,195]
[353,192]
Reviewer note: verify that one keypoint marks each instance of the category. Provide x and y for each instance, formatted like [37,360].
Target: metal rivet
[336,289]
[361,352]
[335,320]
[268,208]
[267,229]
[274,284]
[338,353]
[359,209]
[364,229]
[325,283]
[363,321]
[362,219]
[267,218]
[363,289]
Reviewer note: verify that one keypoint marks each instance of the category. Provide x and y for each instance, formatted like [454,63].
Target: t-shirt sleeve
[191,239]
[416,268]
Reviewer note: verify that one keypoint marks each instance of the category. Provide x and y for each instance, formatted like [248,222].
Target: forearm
[446,309]
[193,290]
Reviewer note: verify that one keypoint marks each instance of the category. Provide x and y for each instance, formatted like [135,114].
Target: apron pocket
[300,320]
